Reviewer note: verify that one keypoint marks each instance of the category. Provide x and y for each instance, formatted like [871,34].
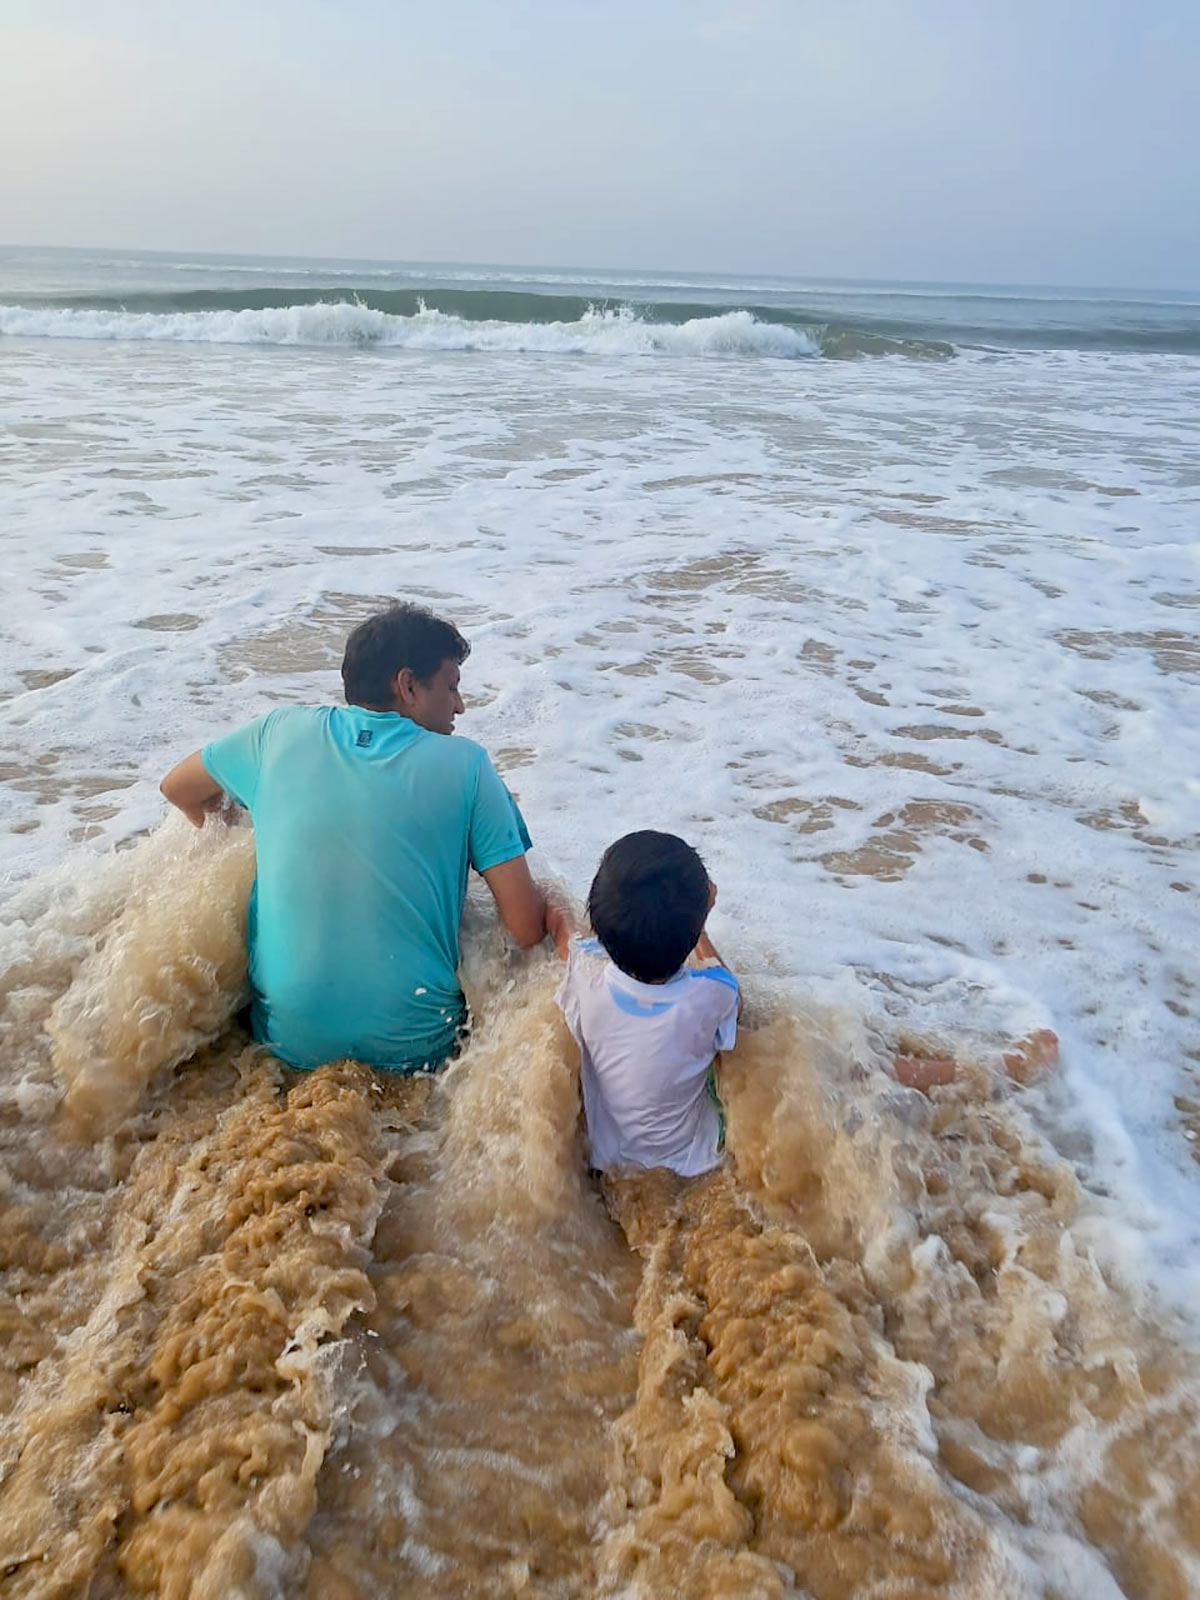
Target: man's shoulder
[302,713]
[466,749]
[256,728]
[452,753]
[294,719]
[293,714]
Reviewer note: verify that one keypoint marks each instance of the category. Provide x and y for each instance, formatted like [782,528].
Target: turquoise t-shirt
[365,826]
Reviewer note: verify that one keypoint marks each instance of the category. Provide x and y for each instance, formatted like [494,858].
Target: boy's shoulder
[590,962]
[587,959]
[713,972]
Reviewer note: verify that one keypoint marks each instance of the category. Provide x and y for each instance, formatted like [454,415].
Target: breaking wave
[502,309]
[618,331]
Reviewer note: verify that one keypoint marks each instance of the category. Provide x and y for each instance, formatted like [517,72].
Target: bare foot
[923,1072]
[1031,1057]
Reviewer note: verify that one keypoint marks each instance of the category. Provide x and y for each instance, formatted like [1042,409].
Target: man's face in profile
[433,705]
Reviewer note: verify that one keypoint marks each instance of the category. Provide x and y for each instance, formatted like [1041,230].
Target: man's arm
[191,787]
[524,909]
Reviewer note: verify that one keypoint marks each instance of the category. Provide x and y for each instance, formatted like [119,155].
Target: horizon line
[524,266]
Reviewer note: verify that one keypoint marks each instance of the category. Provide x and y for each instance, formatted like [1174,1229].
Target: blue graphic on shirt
[718,975]
[638,1008]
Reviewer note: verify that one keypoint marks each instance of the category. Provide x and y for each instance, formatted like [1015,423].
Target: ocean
[885,596]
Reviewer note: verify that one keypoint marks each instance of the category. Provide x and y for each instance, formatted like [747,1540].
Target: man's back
[366,825]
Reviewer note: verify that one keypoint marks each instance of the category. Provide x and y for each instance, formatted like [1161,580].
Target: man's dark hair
[648,903]
[402,636]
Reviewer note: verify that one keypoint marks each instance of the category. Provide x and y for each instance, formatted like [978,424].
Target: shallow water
[909,650]
[336,1335]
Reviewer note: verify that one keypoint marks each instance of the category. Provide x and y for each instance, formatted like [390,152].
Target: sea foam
[909,652]
[612,332]
[907,649]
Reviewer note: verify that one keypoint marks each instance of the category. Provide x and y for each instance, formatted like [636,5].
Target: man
[366,820]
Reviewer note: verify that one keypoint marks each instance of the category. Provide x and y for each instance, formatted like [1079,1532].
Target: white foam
[729,598]
[619,332]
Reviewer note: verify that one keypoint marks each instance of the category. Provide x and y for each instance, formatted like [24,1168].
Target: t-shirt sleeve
[721,992]
[497,831]
[566,996]
[727,1027]
[520,820]
[236,760]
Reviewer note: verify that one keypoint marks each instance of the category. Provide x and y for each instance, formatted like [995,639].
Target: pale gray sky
[1037,141]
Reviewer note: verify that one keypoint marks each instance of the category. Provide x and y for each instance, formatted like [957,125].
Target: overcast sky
[1035,141]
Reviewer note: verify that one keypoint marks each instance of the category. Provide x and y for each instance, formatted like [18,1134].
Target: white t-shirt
[645,1050]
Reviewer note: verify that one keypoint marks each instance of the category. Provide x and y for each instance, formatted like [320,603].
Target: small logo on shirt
[365,735]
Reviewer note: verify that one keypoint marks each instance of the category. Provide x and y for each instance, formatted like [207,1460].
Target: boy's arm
[707,950]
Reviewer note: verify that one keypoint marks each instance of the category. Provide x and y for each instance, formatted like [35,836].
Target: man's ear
[404,686]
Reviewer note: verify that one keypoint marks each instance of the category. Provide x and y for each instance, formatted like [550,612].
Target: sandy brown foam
[168,1442]
[338,1335]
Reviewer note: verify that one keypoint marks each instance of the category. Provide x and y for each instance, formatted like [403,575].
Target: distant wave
[510,316]
[458,318]
[618,331]
[515,318]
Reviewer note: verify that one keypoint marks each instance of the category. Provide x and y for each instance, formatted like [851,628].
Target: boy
[647,1026]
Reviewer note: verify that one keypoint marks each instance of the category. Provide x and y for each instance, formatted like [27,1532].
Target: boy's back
[645,1052]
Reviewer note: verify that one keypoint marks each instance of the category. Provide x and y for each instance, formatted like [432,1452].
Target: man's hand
[526,910]
[191,789]
[560,924]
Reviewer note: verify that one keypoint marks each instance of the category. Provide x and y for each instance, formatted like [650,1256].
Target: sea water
[885,597]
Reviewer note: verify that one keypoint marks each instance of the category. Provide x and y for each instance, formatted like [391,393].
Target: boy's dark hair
[402,636]
[648,903]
